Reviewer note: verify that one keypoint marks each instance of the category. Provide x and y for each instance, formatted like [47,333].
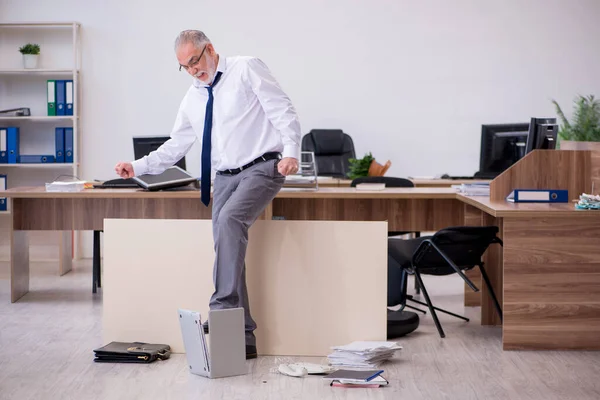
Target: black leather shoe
[205,327]
[250,352]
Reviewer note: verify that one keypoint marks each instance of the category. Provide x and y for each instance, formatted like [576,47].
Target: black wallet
[132,352]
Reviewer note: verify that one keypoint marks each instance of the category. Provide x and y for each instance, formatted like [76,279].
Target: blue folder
[69,145]
[539,196]
[60,144]
[3,146]
[36,158]
[69,97]
[3,186]
[12,144]
[61,106]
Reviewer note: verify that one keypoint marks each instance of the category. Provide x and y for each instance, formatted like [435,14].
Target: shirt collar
[221,66]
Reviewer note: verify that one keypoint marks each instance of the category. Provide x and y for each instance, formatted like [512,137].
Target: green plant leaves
[585,124]
[30,48]
[360,167]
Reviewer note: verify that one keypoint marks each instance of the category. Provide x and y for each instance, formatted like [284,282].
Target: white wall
[411,81]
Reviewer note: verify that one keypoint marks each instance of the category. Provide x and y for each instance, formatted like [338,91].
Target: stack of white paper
[370,186]
[473,189]
[65,186]
[362,354]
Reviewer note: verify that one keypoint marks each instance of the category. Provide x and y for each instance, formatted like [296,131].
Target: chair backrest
[464,245]
[333,149]
[388,180]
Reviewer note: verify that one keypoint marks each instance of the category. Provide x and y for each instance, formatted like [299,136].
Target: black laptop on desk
[171,178]
[117,184]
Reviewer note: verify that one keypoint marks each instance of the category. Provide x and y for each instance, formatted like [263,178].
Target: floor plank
[47,338]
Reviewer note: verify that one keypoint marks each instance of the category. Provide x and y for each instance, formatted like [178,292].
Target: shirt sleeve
[181,140]
[277,105]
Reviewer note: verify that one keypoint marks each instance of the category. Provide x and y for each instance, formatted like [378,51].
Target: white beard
[210,73]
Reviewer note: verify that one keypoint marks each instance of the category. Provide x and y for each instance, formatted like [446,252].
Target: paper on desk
[65,186]
[473,189]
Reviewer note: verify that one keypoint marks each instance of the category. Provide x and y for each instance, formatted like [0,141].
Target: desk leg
[493,264]
[65,252]
[19,264]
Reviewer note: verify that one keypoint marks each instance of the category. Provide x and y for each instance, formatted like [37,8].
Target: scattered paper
[588,202]
[362,354]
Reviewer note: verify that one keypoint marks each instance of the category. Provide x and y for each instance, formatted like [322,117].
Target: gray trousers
[238,200]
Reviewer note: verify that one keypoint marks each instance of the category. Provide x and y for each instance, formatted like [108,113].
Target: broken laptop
[224,353]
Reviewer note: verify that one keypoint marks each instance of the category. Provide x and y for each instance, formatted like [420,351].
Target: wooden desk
[436,183]
[550,275]
[446,182]
[549,265]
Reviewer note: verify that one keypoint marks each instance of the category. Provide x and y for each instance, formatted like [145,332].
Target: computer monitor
[542,134]
[502,145]
[143,146]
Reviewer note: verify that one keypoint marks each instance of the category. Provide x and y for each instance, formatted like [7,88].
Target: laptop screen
[169,176]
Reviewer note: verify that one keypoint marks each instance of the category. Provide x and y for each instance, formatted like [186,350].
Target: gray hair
[198,38]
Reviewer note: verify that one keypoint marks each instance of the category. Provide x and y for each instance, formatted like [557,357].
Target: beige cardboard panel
[312,284]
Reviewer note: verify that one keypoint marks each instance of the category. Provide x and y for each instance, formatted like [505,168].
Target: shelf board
[37,165]
[39,118]
[39,24]
[37,71]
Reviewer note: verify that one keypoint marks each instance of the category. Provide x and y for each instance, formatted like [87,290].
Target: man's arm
[182,139]
[277,106]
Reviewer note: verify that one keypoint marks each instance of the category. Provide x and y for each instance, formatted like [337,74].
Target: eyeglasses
[193,63]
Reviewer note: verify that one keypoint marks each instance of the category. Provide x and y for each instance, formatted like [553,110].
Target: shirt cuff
[291,150]
[140,167]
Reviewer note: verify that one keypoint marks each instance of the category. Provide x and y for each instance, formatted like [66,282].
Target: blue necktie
[205,177]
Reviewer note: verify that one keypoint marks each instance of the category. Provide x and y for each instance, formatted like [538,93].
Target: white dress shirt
[251,116]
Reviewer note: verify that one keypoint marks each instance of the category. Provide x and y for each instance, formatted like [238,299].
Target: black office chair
[332,148]
[399,322]
[451,250]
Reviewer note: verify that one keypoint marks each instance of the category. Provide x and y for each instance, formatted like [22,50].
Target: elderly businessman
[250,135]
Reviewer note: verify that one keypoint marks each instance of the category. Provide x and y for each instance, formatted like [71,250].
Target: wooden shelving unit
[60,58]
[12,75]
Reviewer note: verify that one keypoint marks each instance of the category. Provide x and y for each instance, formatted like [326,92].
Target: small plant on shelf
[31,53]
[30,48]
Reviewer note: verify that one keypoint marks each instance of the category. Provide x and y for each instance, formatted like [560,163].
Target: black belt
[264,157]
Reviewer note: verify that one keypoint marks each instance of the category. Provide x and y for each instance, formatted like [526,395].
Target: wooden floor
[47,338]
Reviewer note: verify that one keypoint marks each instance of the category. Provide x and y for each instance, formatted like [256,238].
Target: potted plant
[31,53]
[583,131]
[366,166]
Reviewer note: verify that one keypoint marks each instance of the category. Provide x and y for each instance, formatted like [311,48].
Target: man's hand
[124,170]
[287,166]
